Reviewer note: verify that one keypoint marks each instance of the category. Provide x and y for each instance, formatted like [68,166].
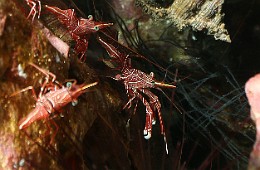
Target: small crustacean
[138,85]
[79,28]
[36,8]
[52,97]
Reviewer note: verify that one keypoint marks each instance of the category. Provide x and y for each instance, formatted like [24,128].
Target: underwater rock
[23,42]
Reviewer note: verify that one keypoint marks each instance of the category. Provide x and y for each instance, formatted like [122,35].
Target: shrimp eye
[90,17]
[68,84]
[153,83]
[96,28]
[152,74]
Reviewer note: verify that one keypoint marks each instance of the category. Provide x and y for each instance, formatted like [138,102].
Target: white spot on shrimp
[21,72]
[127,123]
[57,58]
[194,38]
[166,145]
[74,102]
[153,122]
[21,162]
[147,134]
[15,166]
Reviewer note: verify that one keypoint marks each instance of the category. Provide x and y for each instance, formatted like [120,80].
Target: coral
[198,14]
[252,89]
